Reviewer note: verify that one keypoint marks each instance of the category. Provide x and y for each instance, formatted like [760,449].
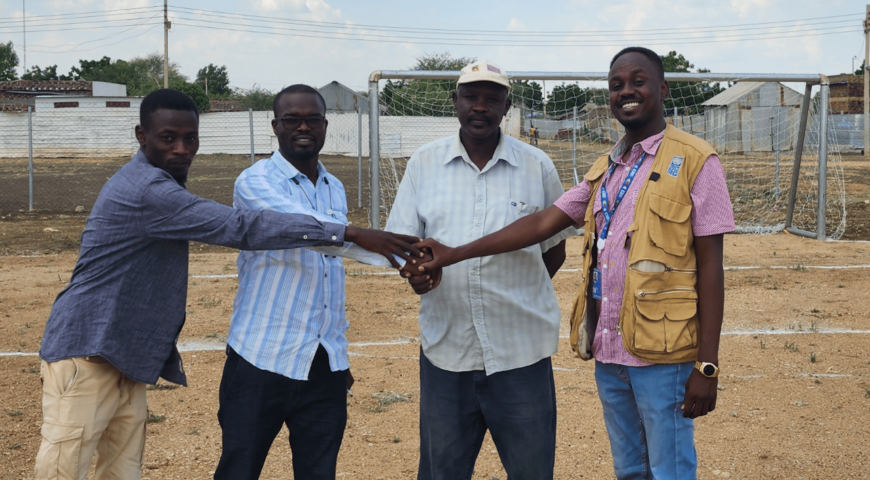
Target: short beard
[635,124]
[303,156]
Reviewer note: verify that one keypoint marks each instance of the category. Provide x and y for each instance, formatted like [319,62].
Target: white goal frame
[809,80]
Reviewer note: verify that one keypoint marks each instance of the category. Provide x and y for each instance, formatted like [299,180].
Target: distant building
[16,95]
[340,98]
[847,94]
[752,117]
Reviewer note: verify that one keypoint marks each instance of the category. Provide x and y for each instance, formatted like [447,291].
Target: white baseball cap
[483,71]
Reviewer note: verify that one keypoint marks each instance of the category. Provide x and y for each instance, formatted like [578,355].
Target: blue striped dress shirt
[493,313]
[291,301]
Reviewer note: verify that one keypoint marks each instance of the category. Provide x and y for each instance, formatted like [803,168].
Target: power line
[62,16]
[82,28]
[643,33]
[485,43]
[74,47]
[505,32]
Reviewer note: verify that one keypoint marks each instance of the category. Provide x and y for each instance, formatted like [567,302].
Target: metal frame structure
[810,80]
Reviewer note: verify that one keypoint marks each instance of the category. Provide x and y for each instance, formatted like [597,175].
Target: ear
[665,89]
[507,104]
[455,96]
[325,125]
[140,136]
[275,126]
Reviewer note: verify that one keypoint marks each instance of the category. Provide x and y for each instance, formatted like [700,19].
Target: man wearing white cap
[489,330]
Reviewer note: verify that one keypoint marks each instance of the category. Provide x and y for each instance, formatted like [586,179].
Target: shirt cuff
[334,232]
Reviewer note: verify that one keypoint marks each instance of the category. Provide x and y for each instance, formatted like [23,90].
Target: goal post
[765,132]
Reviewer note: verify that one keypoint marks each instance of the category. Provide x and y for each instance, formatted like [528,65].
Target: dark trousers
[254,404]
[517,406]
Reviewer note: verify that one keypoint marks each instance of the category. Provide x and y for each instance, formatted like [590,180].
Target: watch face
[709,370]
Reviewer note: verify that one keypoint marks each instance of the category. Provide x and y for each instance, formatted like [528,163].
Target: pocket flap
[57,433]
[673,308]
[669,209]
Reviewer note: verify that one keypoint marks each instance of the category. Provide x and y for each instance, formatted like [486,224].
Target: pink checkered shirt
[711,215]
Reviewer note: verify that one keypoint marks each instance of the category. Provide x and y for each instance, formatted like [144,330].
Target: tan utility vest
[658,321]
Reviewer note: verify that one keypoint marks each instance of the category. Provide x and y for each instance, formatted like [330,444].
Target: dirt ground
[780,414]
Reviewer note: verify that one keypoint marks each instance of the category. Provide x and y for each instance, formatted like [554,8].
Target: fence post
[251,119]
[823,159]
[775,146]
[574,145]
[359,155]
[799,150]
[30,156]
[374,155]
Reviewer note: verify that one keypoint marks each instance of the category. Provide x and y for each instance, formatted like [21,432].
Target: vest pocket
[670,225]
[664,320]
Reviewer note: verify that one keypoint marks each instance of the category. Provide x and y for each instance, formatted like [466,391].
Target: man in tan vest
[649,308]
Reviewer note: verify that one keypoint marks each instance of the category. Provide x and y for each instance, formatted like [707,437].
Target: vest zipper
[668,268]
[657,292]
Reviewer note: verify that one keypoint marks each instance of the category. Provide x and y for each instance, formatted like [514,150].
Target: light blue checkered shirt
[493,313]
[291,301]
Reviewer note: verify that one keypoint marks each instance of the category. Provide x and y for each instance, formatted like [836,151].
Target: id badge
[596,284]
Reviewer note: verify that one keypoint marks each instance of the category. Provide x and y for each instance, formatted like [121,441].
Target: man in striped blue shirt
[287,352]
[488,331]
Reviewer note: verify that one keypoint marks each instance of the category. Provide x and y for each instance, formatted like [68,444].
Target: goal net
[753,121]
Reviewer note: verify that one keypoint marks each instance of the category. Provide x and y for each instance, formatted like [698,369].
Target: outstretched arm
[526,231]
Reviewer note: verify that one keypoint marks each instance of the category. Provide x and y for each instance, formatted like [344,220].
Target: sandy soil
[780,414]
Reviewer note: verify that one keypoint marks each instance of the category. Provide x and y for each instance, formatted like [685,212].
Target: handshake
[424,258]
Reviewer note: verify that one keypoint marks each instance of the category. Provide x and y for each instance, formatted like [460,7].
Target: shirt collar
[650,145]
[288,169]
[502,152]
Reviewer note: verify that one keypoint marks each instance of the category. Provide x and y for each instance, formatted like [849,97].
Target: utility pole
[866,73]
[206,84]
[24,28]
[166,26]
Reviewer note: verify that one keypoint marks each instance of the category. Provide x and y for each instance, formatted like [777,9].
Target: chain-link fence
[57,153]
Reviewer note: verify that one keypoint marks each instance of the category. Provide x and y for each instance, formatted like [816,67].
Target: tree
[256,98]
[565,97]
[687,97]
[141,75]
[860,71]
[50,73]
[192,90]
[218,81]
[8,62]
[526,94]
[432,98]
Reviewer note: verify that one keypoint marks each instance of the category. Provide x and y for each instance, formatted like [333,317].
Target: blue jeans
[255,404]
[649,438]
[517,406]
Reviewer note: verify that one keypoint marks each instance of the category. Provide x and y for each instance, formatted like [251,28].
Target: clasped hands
[424,273]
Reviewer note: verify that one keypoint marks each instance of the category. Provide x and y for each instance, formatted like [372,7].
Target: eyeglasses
[314,122]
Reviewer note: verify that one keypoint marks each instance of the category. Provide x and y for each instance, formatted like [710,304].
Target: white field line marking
[573,270]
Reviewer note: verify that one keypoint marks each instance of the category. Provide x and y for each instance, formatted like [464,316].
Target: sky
[724,36]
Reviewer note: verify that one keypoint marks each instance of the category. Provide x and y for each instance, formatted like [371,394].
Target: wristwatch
[707,369]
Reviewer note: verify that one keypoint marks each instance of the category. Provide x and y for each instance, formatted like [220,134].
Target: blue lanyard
[605,204]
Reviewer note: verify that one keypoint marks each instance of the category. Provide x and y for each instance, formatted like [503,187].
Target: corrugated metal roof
[733,93]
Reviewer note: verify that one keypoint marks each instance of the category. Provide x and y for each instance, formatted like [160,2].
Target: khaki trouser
[90,406]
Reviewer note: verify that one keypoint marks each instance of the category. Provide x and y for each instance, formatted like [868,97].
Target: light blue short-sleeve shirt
[493,313]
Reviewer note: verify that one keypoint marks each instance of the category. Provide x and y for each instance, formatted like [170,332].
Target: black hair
[651,55]
[164,98]
[298,88]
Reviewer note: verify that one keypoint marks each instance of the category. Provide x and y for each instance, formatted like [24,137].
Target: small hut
[753,117]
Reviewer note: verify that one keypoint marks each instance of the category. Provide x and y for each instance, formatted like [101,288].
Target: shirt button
[604,331]
[605,266]
[334,237]
[474,296]
[325,306]
[478,224]
[305,237]
[474,272]
[477,321]
[479,177]
[318,335]
[605,299]
[479,199]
